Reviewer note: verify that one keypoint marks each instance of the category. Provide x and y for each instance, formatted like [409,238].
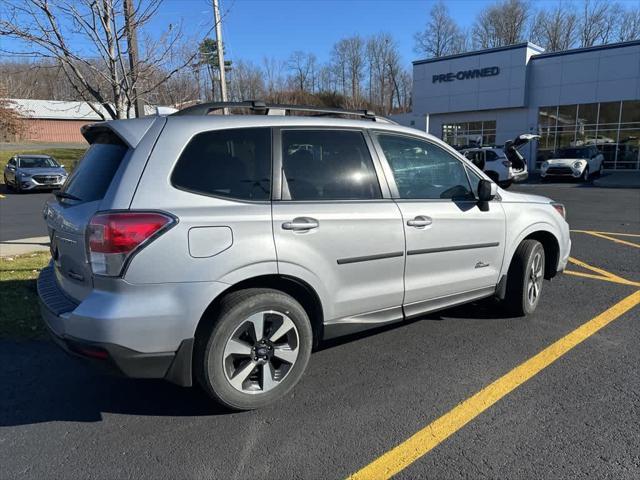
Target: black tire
[234,309]
[585,175]
[7,185]
[517,300]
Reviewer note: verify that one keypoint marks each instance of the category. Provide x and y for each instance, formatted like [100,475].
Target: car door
[336,227]
[10,171]
[454,245]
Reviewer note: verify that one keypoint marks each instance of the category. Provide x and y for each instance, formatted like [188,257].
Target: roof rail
[262,108]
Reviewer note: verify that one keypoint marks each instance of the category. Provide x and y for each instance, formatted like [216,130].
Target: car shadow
[40,383]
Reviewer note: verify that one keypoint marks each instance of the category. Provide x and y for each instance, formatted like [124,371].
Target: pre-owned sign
[466,74]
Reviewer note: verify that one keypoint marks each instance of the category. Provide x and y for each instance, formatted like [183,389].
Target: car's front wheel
[256,350]
[524,279]
[585,174]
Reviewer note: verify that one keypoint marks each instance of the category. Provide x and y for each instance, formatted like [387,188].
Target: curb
[9,248]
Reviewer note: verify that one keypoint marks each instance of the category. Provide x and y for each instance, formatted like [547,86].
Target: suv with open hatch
[220,249]
[504,165]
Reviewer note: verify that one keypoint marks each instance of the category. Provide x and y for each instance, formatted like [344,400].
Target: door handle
[301,224]
[420,221]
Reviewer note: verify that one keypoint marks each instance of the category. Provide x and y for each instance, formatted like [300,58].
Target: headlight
[24,175]
[577,165]
[545,165]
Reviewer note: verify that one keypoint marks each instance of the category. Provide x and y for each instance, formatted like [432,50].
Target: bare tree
[11,125]
[302,65]
[629,28]
[59,31]
[596,22]
[442,35]
[556,29]
[246,82]
[502,23]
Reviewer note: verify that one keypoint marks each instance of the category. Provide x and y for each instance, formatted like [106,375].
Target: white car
[504,165]
[574,162]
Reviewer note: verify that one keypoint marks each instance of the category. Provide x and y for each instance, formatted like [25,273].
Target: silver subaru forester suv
[220,249]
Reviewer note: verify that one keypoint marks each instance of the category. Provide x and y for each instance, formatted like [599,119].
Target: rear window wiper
[65,195]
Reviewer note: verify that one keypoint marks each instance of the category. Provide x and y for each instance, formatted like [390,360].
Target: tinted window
[574,153]
[37,162]
[328,165]
[12,162]
[491,155]
[227,163]
[91,179]
[423,170]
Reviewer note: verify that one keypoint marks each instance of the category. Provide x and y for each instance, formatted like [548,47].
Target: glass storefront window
[468,134]
[609,113]
[567,115]
[613,127]
[587,114]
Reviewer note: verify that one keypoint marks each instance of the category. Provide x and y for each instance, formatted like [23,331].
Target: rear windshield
[37,162]
[92,177]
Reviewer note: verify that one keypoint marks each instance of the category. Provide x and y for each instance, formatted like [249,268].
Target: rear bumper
[520,176]
[56,310]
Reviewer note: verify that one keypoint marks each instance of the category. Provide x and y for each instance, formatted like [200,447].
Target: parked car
[504,165]
[574,162]
[33,172]
[221,249]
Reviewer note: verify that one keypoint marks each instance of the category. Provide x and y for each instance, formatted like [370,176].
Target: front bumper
[29,183]
[56,310]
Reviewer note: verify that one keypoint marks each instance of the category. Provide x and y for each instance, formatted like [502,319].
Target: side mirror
[487,190]
[11,167]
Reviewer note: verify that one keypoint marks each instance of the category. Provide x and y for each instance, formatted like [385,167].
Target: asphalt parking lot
[464,393]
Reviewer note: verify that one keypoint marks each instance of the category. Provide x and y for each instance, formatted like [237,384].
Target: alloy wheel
[260,352]
[534,282]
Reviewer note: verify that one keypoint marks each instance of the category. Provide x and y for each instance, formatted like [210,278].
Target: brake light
[560,209]
[113,237]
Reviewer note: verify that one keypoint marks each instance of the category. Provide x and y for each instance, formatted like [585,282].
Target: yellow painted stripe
[618,234]
[602,272]
[403,455]
[2,196]
[603,278]
[617,240]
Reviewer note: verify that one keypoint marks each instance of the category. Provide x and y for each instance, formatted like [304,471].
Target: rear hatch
[512,147]
[68,214]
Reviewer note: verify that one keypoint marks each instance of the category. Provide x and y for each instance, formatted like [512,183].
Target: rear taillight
[560,209]
[112,238]
[506,163]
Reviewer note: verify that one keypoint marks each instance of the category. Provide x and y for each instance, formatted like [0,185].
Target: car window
[12,162]
[232,163]
[474,178]
[37,162]
[328,165]
[491,155]
[423,170]
[92,177]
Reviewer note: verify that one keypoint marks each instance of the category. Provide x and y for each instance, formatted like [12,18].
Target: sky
[253,29]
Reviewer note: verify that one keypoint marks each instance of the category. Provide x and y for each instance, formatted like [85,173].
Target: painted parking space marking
[2,196]
[601,274]
[425,440]
[609,236]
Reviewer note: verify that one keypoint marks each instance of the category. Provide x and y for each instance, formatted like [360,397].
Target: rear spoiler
[130,131]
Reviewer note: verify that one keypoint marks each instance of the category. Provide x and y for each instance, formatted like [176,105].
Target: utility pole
[220,51]
[132,47]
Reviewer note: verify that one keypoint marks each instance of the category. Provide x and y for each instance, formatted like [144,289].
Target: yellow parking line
[2,196]
[422,442]
[604,273]
[609,233]
[603,278]
[617,240]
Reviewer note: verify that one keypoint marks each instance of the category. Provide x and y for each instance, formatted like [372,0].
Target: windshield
[573,153]
[37,162]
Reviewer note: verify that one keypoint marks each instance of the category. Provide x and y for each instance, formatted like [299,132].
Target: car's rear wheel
[601,169]
[256,350]
[525,277]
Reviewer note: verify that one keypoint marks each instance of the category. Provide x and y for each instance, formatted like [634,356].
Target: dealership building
[585,96]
